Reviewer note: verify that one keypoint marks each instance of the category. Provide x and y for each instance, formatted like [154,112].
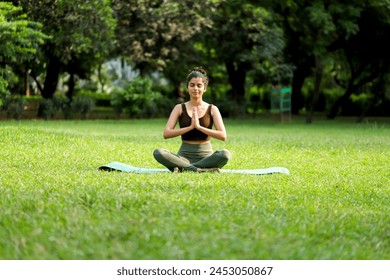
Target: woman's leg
[170,160]
[217,159]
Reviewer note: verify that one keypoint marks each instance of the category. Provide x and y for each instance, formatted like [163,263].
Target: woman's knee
[224,154]
[159,152]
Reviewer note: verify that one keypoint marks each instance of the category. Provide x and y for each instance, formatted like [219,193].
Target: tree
[347,36]
[244,36]
[365,54]
[82,36]
[328,22]
[311,28]
[19,41]
[153,33]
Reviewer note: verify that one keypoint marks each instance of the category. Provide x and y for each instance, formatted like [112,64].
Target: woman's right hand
[195,119]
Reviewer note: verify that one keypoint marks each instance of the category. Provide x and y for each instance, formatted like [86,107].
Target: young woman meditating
[196,119]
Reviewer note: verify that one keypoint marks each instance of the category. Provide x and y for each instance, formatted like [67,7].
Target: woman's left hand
[195,119]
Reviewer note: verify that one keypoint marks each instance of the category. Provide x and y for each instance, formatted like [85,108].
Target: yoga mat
[118,166]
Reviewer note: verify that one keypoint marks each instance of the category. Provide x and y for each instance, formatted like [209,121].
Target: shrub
[49,107]
[46,108]
[2,98]
[137,99]
[83,105]
[101,99]
[13,105]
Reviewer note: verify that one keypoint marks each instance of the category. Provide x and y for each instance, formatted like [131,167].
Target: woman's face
[196,87]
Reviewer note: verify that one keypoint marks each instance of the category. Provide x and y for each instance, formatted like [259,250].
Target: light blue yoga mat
[118,166]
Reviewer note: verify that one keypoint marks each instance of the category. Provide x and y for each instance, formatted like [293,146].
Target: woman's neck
[196,102]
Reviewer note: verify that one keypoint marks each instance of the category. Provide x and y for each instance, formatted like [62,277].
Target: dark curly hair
[198,72]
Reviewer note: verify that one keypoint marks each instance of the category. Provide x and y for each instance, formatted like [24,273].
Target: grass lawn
[54,204]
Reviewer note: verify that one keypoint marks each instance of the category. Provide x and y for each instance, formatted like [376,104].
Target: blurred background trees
[332,54]
[19,42]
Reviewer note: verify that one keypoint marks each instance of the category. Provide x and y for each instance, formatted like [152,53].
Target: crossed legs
[218,159]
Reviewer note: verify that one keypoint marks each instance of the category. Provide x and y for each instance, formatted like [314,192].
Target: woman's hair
[198,72]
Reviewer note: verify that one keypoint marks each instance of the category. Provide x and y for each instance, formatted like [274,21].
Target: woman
[196,119]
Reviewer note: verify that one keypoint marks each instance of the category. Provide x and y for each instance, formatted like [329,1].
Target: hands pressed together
[195,120]
[170,131]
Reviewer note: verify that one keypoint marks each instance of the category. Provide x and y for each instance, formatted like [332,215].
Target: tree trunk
[297,101]
[237,77]
[317,89]
[26,83]
[71,85]
[53,71]
[100,77]
[39,86]
[341,101]
[52,76]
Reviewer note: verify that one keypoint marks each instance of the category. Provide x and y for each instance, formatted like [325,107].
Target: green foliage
[137,99]
[6,77]
[82,37]
[268,42]
[363,100]
[79,29]
[50,107]
[255,37]
[56,205]
[19,37]
[153,33]
[14,105]
[47,108]
[19,40]
[83,105]
[100,98]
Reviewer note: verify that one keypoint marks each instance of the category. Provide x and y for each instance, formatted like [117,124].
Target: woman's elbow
[167,134]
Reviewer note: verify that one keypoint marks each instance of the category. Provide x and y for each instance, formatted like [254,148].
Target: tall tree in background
[243,35]
[327,23]
[82,36]
[348,36]
[311,27]
[365,54]
[19,41]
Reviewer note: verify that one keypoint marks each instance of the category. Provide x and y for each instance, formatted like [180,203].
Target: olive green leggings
[192,156]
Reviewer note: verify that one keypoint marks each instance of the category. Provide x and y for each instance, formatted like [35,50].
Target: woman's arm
[169,130]
[219,132]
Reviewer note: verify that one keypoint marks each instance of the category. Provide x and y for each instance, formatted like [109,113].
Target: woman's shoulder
[179,106]
[176,109]
[214,109]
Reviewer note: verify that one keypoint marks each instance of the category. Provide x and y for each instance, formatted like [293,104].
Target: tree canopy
[317,47]
[82,37]
[153,33]
[19,41]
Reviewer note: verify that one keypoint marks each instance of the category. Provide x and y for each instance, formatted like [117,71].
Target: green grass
[54,204]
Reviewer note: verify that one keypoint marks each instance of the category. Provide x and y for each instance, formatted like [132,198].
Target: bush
[137,99]
[46,108]
[100,99]
[83,105]
[49,107]
[13,105]
[2,98]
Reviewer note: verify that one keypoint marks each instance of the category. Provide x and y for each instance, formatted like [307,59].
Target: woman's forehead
[196,80]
